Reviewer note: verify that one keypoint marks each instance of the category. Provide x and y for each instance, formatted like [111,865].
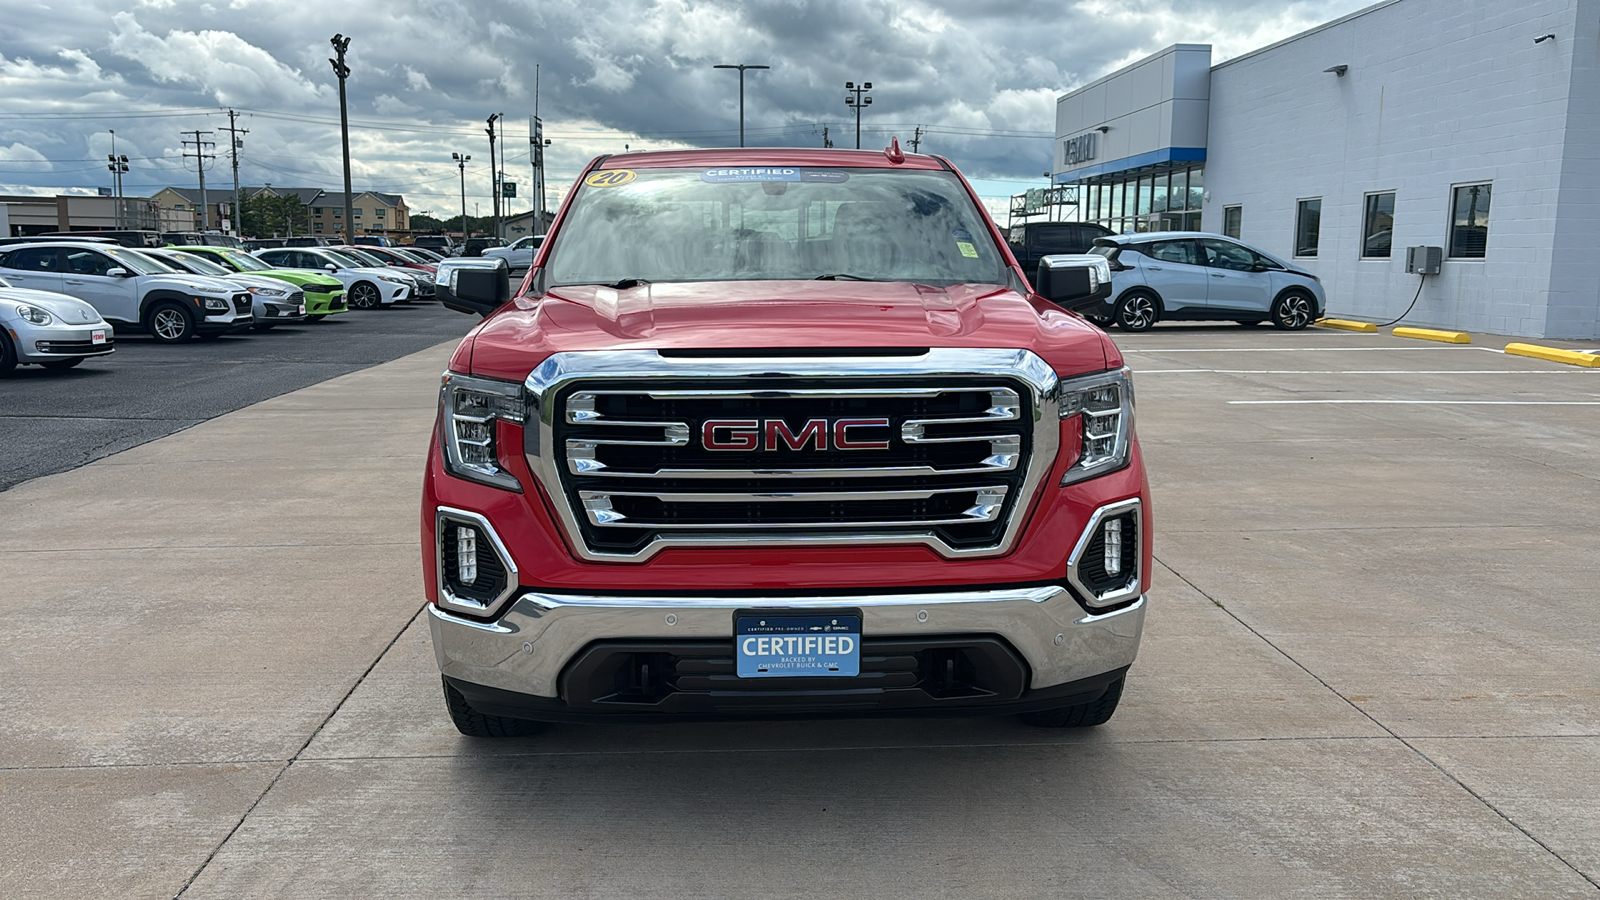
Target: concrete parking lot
[1369,671]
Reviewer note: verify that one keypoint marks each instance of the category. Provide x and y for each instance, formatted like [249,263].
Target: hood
[70,310]
[382,270]
[203,283]
[304,277]
[248,280]
[778,315]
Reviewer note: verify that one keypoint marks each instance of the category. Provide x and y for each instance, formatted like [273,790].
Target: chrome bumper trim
[526,649]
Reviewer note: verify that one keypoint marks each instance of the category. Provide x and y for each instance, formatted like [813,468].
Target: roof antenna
[893,151]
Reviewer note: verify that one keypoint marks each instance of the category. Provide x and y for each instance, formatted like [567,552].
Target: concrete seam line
[1433,334]
[1556,354]
[1348,325]
[243,817]
[1391,732]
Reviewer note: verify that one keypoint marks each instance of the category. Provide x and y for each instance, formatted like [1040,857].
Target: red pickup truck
[781,432]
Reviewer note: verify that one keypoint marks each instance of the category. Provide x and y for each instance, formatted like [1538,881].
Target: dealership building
[1471,127]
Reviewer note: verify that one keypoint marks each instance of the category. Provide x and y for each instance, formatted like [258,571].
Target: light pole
[461,163]
[853,98]
[741,67]
[494,175]
[118,165]
[340,44]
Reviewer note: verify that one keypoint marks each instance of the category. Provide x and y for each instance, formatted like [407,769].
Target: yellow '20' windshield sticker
[611,178]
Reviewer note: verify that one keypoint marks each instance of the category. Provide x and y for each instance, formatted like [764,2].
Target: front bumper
[394,293]
[322,304]
[40,343]
[536,658]
[277,311]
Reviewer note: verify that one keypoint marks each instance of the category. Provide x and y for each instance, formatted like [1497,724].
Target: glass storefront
[1167,200]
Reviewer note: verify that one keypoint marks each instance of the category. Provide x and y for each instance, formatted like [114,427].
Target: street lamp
[741,67]
[118,166]
[853,98]
[461,163]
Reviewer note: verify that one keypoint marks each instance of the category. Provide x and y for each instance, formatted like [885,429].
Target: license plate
[97,337]
[781,645]
[300,310]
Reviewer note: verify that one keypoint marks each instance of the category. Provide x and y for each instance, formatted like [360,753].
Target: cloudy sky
[980,77]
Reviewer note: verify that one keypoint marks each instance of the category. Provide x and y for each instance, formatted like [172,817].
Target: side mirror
[1260,267]
[1080,281]
[331,267]
[117,272]
[478,286]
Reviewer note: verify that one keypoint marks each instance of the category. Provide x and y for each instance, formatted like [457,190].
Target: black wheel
[8,354]
[1292,311]
[472,723]
[1137,311]
[170,322]
[61,365]
[364,295]
[1084,715]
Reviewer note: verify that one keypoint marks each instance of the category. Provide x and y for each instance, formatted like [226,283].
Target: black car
[1034,240]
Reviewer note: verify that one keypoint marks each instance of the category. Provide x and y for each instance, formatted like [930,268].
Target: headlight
[1103,404]
[422,276]
[397,279]
[35,315]
[267,292]
[213,304]
[470,408]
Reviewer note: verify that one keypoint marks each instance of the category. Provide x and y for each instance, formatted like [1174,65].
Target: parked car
[200,238]
[425,254]
[720,470]
[1032,241]
[383,256]
[373,240]
[275,302]
[1193,275]
[366,286]
[520,254]
[128,238]
[254,244]
[476,246]
[50,329]
[306,240]
[324,294]
[131,289]
[438,243]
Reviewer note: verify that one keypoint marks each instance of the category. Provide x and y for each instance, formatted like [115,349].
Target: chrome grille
[642,461]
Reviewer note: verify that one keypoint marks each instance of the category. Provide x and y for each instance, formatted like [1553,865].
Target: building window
[1377,226]
[1232,217]
[1469,221]
[1307,226]
[317,211]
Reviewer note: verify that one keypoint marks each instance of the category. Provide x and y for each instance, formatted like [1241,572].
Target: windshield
[344,260]
[140,264]
[408,256]
[197,264]
[762,224]
[243,261]
[362,257]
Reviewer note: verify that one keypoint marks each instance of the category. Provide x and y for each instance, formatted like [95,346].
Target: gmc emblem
[766,434]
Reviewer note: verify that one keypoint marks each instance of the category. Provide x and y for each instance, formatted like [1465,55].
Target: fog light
[1113,536]
[466,554]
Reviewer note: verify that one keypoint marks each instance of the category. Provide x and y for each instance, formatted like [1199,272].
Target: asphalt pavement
[1368,671]
[55,421]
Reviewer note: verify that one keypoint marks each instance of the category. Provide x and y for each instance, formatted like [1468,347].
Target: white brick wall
[1438,93]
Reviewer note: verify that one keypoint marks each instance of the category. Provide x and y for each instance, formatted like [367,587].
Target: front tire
[1083,715]
[472,723]
[170,322]
[364,295]
[1293,311]
[1137,311]
[8,355]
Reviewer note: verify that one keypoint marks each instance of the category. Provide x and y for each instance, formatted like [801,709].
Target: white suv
[365,287]
[130,289]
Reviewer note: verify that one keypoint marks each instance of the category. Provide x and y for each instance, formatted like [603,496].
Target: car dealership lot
[54,421]
[1368,671]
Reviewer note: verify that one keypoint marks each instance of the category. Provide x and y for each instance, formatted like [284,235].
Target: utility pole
[741,67]
[340,45]
[235,142]
[826,141]
[118,166]
[916,139]
[853,98]
[200,157]
[494,174]
[461,163]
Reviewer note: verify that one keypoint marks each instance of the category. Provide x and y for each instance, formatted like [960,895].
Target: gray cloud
[979,76]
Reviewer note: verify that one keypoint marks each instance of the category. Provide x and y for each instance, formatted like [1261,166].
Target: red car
[782,432]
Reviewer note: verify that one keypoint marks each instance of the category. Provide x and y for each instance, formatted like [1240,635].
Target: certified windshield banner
[782,173]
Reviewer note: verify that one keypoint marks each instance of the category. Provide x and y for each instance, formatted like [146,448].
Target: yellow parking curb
[1429,334]
[1347,325]
[1555,354]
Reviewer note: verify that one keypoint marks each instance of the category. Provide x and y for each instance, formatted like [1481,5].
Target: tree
[271,215]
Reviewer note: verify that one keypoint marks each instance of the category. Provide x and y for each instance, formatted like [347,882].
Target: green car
[324,295]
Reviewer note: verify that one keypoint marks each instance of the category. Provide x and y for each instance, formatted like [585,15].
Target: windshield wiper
[841,276]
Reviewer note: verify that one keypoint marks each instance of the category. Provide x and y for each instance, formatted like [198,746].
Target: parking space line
[1419,402]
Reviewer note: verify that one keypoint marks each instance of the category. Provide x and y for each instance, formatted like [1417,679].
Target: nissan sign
[1078,150]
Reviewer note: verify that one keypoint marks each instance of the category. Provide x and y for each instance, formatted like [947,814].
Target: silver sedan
[43,328]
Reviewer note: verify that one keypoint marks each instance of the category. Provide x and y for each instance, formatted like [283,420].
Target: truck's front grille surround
[956,443]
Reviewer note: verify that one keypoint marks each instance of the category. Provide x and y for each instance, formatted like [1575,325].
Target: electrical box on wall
[1424,260]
